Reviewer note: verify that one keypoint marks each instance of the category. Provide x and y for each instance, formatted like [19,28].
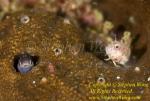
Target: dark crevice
[35,60]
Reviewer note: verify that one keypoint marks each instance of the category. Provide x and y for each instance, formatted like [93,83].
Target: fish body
[25,63]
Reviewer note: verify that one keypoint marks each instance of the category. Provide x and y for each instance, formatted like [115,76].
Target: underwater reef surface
[62,69]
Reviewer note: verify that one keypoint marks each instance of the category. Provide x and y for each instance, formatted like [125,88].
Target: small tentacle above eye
[126,39]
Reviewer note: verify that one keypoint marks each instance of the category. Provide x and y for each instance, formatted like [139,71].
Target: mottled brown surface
[41,36]
[73,72]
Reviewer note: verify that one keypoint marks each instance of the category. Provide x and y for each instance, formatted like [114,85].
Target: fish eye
[117,46]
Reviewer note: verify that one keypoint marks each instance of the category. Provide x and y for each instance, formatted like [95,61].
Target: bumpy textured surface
[42,36]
